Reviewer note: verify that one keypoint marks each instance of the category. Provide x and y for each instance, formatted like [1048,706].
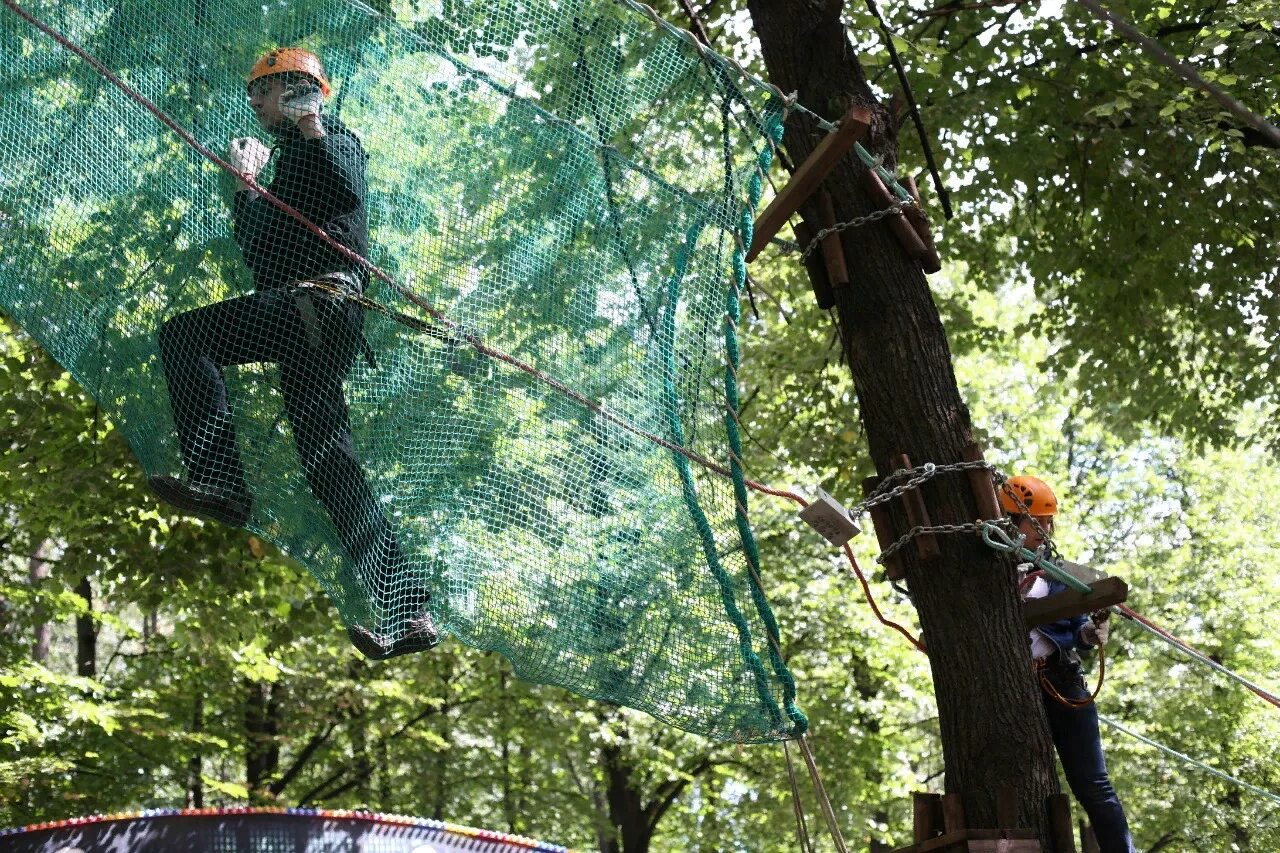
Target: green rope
[689,489]
[733,355]
[885,175]
[1262,792]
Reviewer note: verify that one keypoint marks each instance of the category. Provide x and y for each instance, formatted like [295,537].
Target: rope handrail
[1181,645]
[1189,760]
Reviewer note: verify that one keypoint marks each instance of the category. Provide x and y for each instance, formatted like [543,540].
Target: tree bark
[38,571]
[86,633]
[195,782]
[992,722]
[632,832]
[262,728]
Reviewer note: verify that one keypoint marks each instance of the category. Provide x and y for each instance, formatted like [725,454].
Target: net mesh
[469,438]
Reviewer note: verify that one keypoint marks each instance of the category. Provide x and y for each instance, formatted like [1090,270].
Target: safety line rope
[1275,798]
[797,808]
[1168,638]
[823,800]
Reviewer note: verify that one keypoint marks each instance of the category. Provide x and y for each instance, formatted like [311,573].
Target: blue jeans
[1079,742]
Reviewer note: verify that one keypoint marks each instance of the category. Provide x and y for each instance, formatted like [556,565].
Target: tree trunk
[631,830]
[195,782]
[993,726]
[262,726]
[86,633]
[38,569]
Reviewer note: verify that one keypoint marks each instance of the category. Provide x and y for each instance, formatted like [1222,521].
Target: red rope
[1138,617]
[853,564]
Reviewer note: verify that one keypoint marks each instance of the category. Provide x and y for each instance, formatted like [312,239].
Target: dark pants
[314,356]
[1079,742]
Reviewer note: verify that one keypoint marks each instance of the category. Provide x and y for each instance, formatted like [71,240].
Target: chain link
[903,480]
[921,530]
[856,222]
[915,477]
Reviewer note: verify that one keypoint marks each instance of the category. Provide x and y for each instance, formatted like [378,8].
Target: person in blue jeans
[1072,714]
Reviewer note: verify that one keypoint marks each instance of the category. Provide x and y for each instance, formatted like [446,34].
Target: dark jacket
[323,179]
[1065,633]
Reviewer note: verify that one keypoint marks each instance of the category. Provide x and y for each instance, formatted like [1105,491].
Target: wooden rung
[1060,824]
[1102,594]
[952,813]
[926,815]
[817,269]
[929,261]
[880,520]
[832,251]
[1005,845]
[974,840]
[898,224]
[917,515]
[1006,805]
[984,491]
[811,173]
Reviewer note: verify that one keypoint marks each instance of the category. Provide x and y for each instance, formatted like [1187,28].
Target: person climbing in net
[303,317]
[1073,716]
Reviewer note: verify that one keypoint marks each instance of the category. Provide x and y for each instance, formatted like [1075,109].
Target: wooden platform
[938,824]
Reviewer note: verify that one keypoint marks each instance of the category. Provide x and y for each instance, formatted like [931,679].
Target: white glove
[300,100]
[248,155]
[1095,633]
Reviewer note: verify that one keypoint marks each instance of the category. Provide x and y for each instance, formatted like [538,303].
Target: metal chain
[920,530]
[915,477]
[856,222]
[904,480]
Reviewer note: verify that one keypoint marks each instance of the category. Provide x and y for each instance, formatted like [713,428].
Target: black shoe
[421,636]
[231,508]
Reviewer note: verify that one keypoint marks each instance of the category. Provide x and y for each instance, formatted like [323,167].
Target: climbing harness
[1046,682]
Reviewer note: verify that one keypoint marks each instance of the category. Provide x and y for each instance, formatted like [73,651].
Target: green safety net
[513,431]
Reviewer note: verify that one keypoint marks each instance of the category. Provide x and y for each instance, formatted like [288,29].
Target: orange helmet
[285,59]
[1036,497]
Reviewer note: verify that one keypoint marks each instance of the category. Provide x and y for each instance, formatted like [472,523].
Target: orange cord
[1048,687]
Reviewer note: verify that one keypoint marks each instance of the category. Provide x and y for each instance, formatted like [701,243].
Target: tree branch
[1185,71]
[313,743]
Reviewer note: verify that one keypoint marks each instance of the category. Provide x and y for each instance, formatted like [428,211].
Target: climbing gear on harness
[285,59]
[1057,665]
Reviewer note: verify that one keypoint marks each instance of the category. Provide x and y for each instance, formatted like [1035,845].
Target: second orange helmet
[285,59]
